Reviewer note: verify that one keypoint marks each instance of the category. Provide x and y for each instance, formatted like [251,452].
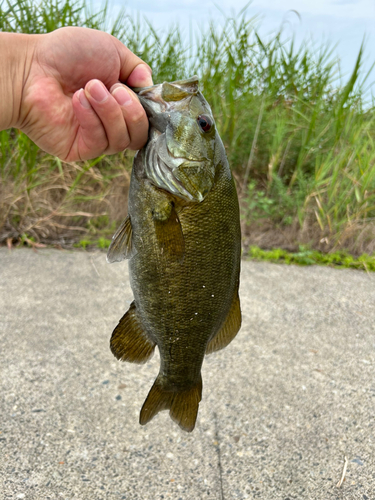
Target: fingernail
[147,68]
[140,76]
[147,74]
[83,99]
[98,91]
[122,96]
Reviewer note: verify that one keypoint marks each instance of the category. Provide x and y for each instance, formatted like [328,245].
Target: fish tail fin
[185,405]
[182,406]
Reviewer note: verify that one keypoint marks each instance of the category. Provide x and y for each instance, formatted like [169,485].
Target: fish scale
[183,249]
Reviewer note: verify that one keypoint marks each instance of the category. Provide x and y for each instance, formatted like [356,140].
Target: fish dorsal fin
[121,245]
[170,237]
[129,341]
[229,329]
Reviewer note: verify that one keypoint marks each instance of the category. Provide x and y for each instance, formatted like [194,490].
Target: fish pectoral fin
[170,236]
[129,341]
[229,330]
[121,246]
[182,406]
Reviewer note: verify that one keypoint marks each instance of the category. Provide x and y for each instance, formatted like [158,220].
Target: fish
[182,238]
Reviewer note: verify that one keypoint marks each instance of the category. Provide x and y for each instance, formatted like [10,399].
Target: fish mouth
[159,98]
[188,84]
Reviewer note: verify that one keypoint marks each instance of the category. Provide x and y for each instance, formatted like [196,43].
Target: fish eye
[204,122]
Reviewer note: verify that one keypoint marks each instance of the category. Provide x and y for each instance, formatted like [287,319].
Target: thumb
[133,71]
[140,76]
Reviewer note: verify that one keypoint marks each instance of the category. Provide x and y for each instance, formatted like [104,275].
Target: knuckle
[118,144]
[137,117]
[123,144]
[97,147]
[138,142]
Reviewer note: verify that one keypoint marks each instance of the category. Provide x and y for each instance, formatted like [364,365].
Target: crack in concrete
[221,491]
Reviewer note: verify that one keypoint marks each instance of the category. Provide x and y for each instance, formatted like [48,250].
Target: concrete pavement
[282,405]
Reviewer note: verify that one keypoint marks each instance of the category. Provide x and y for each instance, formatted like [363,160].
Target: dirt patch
[65,207]
[356,238]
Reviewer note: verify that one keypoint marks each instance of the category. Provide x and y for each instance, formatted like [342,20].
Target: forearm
[15,59]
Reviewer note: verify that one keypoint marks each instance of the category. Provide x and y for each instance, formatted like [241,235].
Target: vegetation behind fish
[298,136]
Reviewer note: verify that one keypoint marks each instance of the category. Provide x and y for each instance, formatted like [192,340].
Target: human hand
[67,111]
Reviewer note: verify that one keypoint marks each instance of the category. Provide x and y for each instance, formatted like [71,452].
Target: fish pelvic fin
[229,330]
[182,406]
[129,341]
[121,246]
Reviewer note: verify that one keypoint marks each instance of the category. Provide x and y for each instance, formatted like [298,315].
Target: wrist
[16,54]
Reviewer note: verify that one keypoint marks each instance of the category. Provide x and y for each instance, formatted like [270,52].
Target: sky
[341,22]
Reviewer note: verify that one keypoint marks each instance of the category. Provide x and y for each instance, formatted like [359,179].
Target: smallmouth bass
[183,241]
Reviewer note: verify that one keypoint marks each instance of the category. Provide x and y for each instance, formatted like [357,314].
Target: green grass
[306,257]
[102,243]
[299,137]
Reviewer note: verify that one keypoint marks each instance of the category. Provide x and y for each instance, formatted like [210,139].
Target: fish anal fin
[229,330]
[129,341]
[121,245]
[182,406]
[170,236]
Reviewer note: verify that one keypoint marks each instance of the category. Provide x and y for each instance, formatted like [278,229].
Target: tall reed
[299,138]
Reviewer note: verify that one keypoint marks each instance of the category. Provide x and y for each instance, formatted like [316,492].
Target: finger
[91,138]
[140,76]
[128,63]
[110,114]
[134,115]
